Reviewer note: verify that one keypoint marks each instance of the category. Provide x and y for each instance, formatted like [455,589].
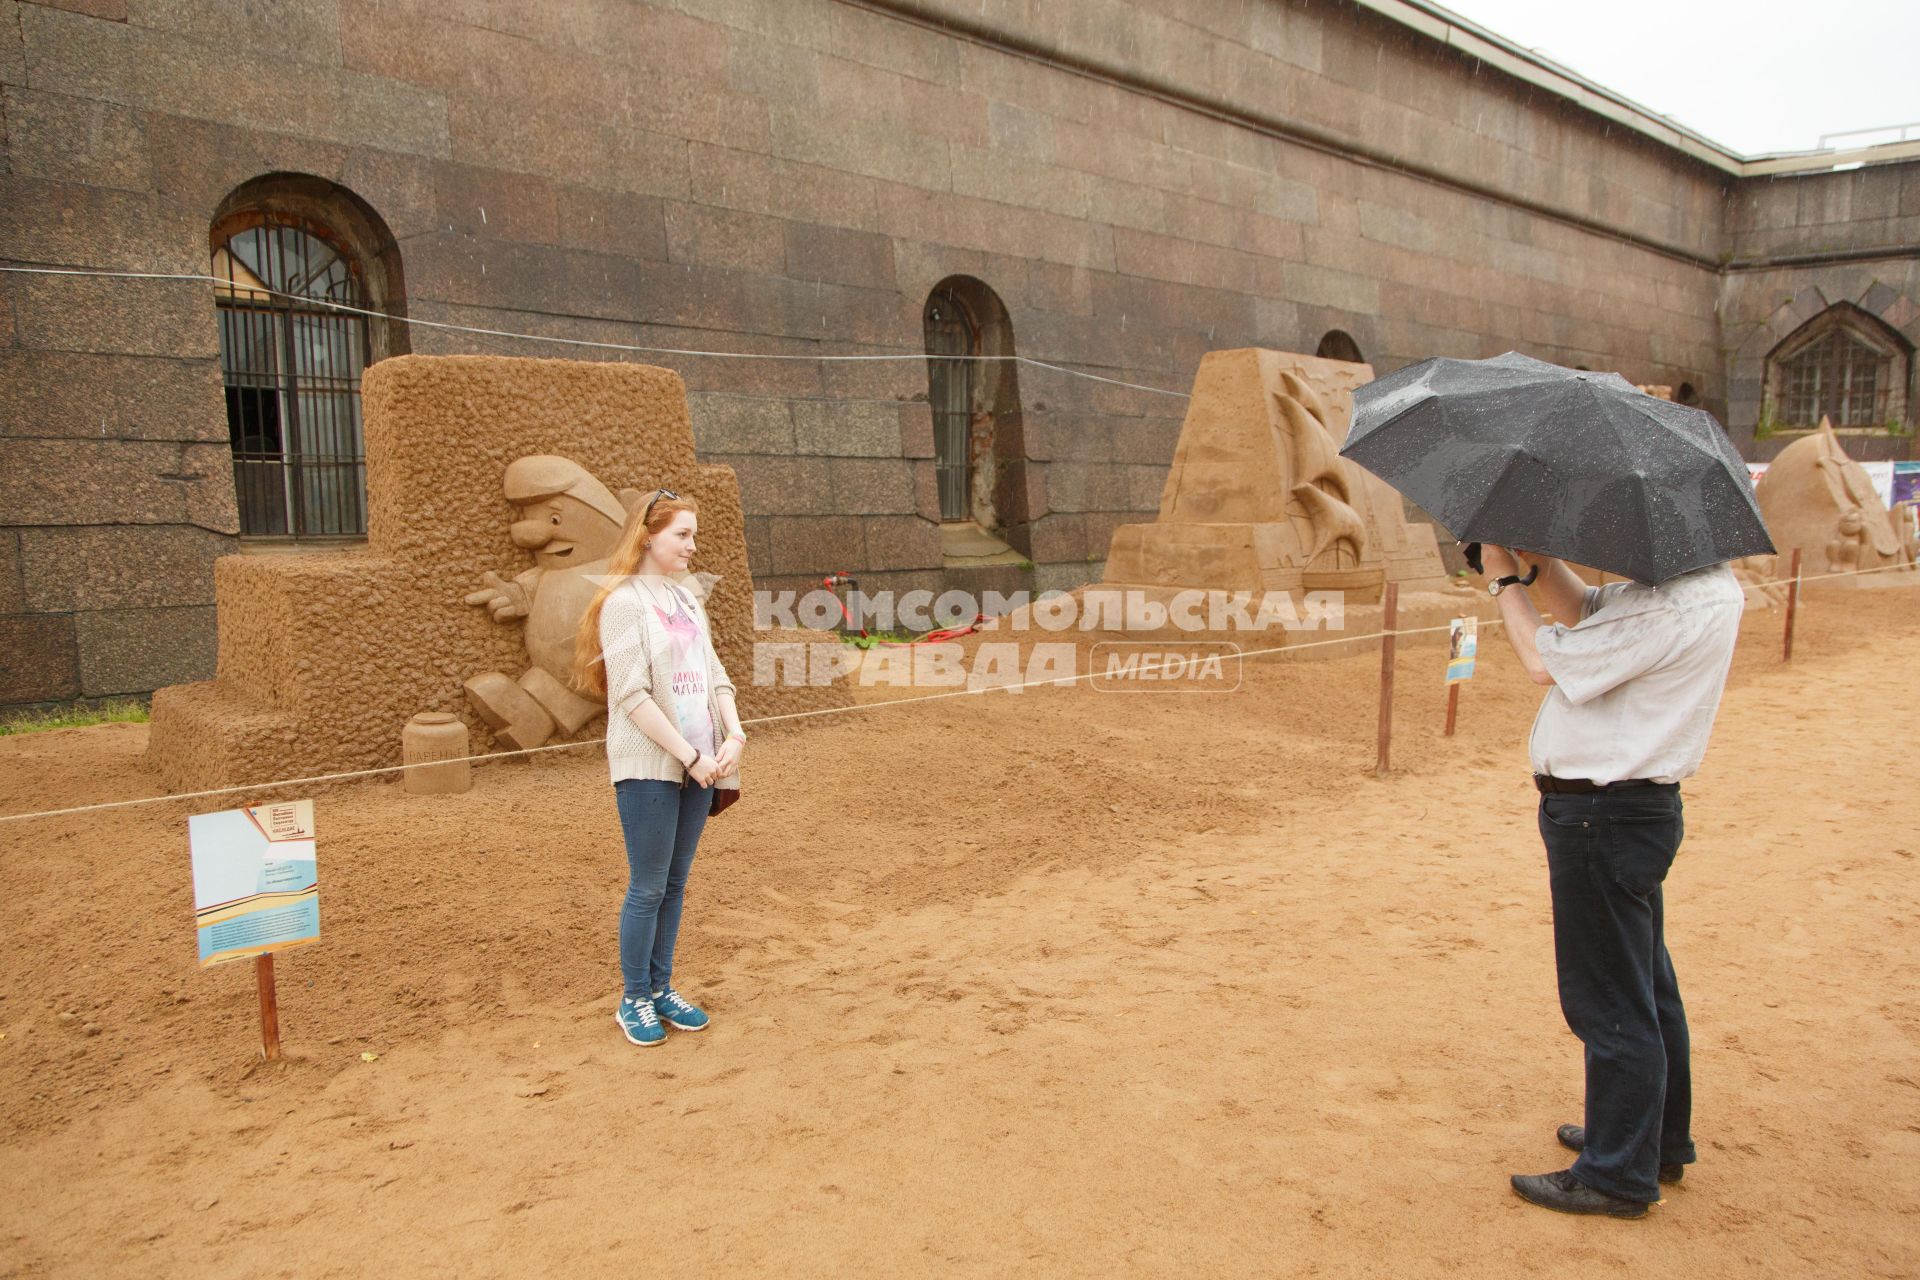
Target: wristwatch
[1498,585]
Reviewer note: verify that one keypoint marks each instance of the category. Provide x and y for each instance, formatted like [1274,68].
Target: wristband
[691,763]
[736,735]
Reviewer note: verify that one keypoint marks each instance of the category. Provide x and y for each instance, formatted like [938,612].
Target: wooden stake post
[1453,706]
[1793,601]
[1389,619]
[269,1006]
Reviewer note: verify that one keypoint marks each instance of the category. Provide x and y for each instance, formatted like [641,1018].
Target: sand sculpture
[570,522]
[435,748]
[1259,499]
[1818,500]
[322,658]
[1760,576]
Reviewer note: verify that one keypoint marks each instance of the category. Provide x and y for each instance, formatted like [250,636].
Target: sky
[1756,78]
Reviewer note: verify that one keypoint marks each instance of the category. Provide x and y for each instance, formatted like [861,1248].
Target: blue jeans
[1607,854]
[662,822]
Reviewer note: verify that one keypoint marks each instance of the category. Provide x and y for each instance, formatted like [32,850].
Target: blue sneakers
[640,1023]
[680,1015]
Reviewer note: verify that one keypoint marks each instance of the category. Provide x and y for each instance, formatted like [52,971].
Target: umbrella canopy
[1520,453]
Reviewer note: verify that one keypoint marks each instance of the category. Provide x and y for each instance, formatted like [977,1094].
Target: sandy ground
[1064,983]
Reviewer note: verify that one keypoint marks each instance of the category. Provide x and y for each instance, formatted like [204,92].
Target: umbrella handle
[1472,553]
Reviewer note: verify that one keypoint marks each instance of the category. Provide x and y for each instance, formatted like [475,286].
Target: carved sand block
[434,748]
[486,477]
[1258,498]
[1818,500]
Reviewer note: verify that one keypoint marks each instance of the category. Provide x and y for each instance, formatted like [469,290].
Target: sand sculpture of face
[563,531]
[566,517]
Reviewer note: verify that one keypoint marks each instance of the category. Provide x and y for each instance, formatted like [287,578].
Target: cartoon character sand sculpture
[1817,499]
[324,658]
[570,522]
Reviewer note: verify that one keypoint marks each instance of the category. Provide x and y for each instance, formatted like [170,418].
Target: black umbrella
[1520,453]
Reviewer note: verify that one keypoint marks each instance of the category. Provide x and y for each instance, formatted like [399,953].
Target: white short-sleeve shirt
[1637,681]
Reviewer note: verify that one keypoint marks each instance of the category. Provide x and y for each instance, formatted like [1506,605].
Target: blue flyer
[255,883]
[1462,646]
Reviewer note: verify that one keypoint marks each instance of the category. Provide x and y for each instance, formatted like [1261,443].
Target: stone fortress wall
[1137,182]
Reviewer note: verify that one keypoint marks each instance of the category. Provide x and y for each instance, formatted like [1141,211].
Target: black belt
[1582,786]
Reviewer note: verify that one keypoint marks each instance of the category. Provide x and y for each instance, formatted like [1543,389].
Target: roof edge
[1497,51]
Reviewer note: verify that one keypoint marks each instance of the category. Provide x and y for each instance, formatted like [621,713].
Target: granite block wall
[1137,181]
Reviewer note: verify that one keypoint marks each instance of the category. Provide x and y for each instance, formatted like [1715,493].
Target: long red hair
[589,672]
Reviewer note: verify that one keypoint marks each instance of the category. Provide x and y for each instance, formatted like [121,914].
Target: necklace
[674,604]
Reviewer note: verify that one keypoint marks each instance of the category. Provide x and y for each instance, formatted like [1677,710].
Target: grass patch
[127,711]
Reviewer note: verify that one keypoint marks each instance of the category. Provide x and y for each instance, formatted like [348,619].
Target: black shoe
[1567,1194]
[1574,1138]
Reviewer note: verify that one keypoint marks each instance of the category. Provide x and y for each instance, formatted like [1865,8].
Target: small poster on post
[255,881]
[1462,645]
[1882,475]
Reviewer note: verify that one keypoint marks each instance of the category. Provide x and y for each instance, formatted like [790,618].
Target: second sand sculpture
[1818,500]
[1259,499]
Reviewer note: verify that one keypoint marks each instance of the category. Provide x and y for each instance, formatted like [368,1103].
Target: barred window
[292,367]
[1844,366]
[1837,378]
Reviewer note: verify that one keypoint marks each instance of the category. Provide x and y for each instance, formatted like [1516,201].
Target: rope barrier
[1055,681]
[450,327]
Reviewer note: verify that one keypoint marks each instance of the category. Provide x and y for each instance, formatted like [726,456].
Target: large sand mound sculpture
[1259,499]
[1818,500]
[486,477]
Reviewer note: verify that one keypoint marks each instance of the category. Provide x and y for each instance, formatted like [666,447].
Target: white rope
[575,342]
[595,742]
[1057,681]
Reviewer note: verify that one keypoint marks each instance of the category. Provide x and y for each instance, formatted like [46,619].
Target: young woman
[673,736]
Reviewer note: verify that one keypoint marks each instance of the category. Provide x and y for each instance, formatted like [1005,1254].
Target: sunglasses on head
[657,495]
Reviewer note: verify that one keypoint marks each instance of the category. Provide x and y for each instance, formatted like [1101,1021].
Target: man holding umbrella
[1512,452]
[1634,685]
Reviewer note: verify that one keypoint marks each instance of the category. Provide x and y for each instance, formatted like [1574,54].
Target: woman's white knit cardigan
[639,656]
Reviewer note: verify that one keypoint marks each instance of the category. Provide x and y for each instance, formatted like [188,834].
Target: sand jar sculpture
[434,747]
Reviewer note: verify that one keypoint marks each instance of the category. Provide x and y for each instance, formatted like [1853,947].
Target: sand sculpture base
[322,657]
[1257,498]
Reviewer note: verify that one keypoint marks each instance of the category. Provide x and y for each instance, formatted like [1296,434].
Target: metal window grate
[292,374]
[950,333]
[1838,377]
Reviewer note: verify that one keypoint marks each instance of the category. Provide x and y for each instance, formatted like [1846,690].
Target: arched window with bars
[977,427]
[291,355]
[309,292]
[1843,365]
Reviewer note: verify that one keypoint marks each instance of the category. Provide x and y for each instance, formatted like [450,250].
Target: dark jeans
[662,822]
[1607,854]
